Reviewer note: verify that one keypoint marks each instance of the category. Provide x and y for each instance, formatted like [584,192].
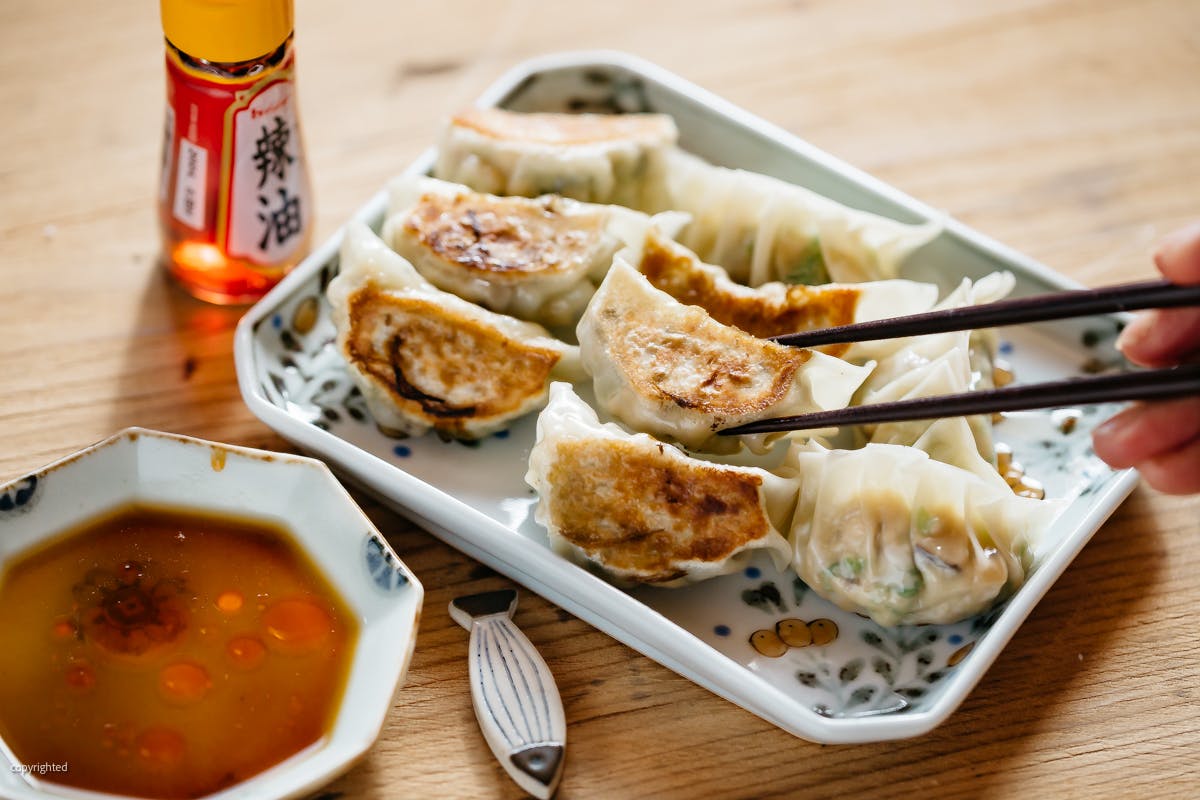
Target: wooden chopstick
[1158,384]
[1037,308]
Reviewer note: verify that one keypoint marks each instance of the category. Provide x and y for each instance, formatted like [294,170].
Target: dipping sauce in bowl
[165,653]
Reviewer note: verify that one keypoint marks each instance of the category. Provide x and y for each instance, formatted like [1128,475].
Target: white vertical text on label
[190,180]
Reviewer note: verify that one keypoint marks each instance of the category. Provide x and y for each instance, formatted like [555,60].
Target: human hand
[1161,439]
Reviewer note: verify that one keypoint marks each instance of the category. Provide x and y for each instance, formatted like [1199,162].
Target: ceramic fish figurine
[515,698]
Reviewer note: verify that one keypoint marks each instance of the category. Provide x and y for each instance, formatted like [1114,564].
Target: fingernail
[1109,441]
[1134,332]
[1109,428]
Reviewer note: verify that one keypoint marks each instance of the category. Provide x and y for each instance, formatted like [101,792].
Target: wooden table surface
[1069,130]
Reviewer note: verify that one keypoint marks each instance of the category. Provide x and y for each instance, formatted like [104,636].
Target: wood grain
[1067,129]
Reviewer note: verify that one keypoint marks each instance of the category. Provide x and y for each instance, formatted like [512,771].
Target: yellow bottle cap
[227,31]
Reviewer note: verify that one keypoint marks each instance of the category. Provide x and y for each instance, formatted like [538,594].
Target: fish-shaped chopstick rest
[515,698]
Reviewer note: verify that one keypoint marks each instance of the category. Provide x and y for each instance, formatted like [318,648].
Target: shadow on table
[178,373]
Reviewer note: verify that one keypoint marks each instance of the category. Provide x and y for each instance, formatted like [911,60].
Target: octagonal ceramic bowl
[293,492]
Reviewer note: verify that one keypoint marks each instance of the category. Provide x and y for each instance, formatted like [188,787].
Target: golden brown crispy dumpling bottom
[637,513]
[697,363]
[801,308]
[503,238]
[425,356]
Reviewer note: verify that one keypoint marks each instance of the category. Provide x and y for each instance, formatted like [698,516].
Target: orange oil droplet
[80,677]
[161,746]
[230,602]
[297,625]
[246,652]
[62,629]
[183,682]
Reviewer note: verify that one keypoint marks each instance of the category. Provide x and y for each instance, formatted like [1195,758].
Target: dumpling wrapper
[537,259]
[950,440]
[644,511]
[773,308]
[763,229]
[988,289]
[931,365]
[671,370]
[596,158]
[425,358]
[887,532]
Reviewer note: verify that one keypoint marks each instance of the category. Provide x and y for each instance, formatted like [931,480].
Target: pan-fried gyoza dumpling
[671,370]
[425,358]
[888,532]
[537,259]
[597,158]
[643,510]
[762,229]
[774,308]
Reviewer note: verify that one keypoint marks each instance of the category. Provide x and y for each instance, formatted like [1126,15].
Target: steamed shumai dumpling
[763,229]
[597,158]
[425,358]
[645,511]
[671,370]
[887,532]
[537,259]
[773,308]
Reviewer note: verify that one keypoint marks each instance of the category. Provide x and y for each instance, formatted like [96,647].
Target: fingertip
[1161,337]
[1174,472]
[1109,440]
[1145,431]
[1132,338]
[1178,255]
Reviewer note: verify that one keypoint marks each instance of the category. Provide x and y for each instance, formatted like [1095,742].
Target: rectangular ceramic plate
[868,683]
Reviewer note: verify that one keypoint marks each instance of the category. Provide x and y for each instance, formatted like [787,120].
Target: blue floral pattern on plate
[835,663]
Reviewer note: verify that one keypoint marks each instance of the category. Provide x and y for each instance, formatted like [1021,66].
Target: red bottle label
[234,167]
